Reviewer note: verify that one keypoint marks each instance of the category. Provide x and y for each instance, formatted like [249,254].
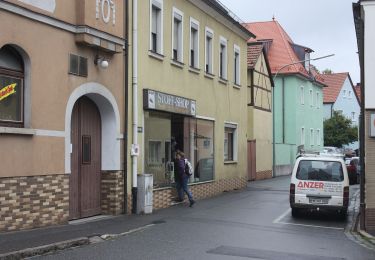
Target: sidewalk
[17,245]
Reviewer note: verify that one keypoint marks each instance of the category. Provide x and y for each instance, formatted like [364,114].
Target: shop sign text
[170,103]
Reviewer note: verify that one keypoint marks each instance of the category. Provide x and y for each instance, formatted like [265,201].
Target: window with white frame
[302,95]
[311,98]
[223,60]
[318,137]
[311,137]
[156,26]
[237,63]
[194,43]
[302,135]
[209,51]
[344,93]
[317,100]
[177,32]
[353,117]
[349,94]
[230,142]
[154,152]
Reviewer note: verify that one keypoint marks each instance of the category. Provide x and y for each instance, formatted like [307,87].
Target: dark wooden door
[86,160]
[251,160]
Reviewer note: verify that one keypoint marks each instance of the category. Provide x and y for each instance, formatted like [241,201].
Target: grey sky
[326,26]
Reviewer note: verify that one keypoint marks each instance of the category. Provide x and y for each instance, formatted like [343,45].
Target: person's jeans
[183,188]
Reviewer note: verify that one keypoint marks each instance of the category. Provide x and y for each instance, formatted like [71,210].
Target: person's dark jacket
[179,169]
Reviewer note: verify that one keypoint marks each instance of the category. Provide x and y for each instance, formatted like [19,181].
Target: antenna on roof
[273,17]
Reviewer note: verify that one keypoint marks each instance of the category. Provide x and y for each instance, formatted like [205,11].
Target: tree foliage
[338,131]
[327,71]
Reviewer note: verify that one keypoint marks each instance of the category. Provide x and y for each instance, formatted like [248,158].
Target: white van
[319,183]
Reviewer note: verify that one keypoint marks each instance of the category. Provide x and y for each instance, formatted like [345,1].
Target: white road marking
[282,216]
[304,225]
[278,221]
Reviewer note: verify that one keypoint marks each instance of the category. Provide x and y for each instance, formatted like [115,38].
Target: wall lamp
[101,62]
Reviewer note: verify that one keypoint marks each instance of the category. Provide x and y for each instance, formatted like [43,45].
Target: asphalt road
[251,224]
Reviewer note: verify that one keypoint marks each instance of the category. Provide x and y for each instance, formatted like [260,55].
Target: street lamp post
[273,107]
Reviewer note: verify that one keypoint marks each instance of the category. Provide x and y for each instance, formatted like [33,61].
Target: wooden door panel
[86,160]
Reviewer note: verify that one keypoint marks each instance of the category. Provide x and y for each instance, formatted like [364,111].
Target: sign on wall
[106,10]
[372,125]
[165,102]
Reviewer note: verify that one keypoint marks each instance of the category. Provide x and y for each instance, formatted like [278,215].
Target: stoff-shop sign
[169,103]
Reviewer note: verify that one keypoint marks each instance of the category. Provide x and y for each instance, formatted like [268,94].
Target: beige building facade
[192,77]
[260,85]
[61,111]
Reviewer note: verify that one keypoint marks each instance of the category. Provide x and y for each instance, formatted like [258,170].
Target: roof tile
[334,84]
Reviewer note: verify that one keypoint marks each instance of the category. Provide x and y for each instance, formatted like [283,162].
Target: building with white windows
[192,83]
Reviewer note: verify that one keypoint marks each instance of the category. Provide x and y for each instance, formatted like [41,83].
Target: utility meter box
[145,194]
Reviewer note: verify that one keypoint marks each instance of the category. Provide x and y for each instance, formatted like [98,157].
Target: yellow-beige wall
[260,121]
[221,102]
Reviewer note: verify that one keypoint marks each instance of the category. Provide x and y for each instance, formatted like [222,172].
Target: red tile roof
[334,82]
[280,52]
[358,91]
[253,52]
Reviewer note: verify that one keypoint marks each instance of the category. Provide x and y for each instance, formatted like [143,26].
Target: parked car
[319,183]
[354,169]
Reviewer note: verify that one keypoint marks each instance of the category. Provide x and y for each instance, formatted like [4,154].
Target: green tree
[338,131]
[327,71]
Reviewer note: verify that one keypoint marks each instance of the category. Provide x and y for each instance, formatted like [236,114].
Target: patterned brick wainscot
[32,202]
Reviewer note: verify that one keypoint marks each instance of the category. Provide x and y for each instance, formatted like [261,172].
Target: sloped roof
[334,83]
[253,52]
[281,51]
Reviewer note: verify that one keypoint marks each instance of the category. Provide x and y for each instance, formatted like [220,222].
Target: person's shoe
[191,203]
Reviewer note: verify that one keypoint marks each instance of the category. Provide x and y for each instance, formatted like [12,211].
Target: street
[255,224]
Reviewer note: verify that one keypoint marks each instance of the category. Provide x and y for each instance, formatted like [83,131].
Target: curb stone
[40,250]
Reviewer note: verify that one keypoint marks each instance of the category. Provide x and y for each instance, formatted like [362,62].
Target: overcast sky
[326,26]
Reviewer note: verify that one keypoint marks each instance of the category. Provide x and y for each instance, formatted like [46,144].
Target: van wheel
[295,213]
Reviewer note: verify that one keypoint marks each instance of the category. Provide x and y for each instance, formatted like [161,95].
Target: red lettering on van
[300,185]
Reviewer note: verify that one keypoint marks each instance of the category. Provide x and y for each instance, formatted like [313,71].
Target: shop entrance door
[84,182]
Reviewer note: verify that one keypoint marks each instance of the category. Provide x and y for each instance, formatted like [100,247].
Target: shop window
[177,32]
[154,152]
[11,87]
[230,142]
[223,58]
[156,26]
[236,76]
[195,137]
[194,43]
[209,54]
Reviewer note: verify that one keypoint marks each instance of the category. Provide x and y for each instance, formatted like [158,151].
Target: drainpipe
[135,105]
[126,75]
[362,207]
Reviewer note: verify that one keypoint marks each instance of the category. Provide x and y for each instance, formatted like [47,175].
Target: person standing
[182,178]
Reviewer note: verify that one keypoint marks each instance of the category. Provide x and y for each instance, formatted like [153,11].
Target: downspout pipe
[362,204]
[135,106]
[126,105]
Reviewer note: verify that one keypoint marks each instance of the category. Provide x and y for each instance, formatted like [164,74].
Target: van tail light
[346,196]
[292,193]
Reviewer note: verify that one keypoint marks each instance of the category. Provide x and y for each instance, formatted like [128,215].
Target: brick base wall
[163,198]
[262,175]
[35,201]
[370,220]
[112,192]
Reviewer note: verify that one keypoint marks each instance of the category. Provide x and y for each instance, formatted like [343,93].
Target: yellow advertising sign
[7,91]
